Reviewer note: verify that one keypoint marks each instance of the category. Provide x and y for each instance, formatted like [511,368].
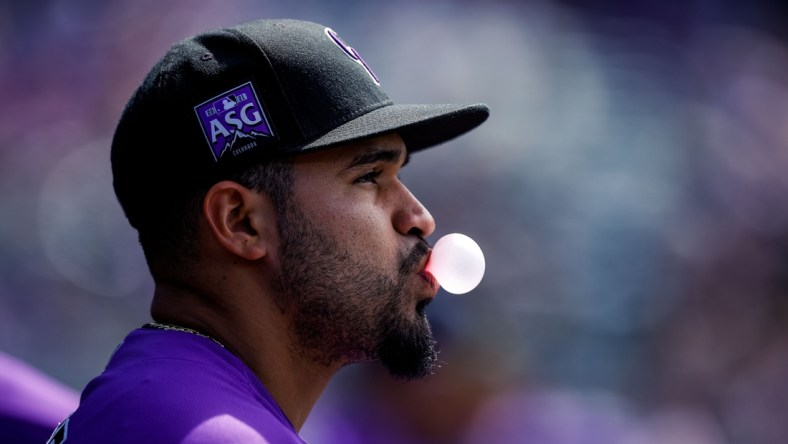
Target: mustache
[414,258]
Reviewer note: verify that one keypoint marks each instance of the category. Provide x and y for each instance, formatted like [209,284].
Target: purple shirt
[163,386]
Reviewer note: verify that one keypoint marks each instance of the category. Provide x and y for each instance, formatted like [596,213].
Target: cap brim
[420,126]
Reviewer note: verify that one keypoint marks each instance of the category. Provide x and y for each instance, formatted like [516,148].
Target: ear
[241,220]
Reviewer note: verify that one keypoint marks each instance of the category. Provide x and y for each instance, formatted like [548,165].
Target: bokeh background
[630,191]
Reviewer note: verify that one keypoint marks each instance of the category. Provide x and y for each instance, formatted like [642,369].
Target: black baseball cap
[227,98]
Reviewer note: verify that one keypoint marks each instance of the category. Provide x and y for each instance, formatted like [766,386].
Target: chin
[408,351]
[421,307]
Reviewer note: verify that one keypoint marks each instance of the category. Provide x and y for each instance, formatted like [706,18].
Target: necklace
[171,327]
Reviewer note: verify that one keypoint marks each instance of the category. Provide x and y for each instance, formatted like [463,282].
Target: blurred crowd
[628,191]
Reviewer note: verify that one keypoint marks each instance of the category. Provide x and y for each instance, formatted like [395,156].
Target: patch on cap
[233,121]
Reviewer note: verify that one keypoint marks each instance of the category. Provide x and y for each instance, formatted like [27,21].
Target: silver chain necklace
[171,327]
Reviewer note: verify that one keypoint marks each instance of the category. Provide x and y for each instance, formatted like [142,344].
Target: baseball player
[259,164]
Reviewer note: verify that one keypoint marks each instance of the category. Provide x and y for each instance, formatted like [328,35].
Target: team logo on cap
[352,53]
[233,121]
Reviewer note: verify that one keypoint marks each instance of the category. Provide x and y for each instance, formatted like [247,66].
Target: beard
[347,308]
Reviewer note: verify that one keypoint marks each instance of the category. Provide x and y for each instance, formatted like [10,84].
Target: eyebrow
[379,155]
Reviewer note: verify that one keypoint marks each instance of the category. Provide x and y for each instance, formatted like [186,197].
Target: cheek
[357,221]
[350,216]
[365,230]
[366,235]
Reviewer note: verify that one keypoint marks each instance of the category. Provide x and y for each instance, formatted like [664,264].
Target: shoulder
[163,387]
[224,428]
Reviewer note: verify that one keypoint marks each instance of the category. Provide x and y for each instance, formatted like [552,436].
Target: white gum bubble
[457,263]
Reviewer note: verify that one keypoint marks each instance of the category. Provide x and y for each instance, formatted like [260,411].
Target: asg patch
[233,121]
[351,52]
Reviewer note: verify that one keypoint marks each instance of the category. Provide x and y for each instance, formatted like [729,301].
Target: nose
[412,218]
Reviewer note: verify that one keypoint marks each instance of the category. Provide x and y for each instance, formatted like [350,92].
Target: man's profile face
[352,257]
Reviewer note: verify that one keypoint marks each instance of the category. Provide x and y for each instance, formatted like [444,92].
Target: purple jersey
[163,386]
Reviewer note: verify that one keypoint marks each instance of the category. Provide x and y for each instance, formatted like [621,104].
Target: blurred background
[630,191]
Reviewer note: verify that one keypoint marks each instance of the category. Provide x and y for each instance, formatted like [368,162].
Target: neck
[260,335]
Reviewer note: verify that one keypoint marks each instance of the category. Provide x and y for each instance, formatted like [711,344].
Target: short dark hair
[168,240]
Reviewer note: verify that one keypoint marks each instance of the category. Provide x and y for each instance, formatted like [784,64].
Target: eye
[370,177]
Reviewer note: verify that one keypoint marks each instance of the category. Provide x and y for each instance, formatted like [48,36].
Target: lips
[416,263]
[430,279]
[427,276]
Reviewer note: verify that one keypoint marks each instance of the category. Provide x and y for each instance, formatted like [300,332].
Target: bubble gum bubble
[457,263]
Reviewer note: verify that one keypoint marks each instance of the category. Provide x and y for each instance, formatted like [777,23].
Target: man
[259,164]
